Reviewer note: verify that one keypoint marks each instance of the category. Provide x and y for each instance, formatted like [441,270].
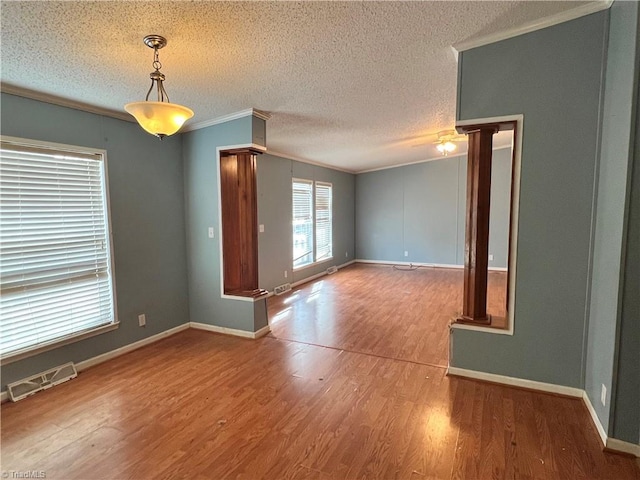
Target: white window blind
[312,219]
[324,243]
[55,256]
[302,223]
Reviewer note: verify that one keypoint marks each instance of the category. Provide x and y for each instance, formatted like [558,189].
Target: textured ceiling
[357,85]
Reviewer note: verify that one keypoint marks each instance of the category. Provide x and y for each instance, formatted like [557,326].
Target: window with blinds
[302,223]
[312,222]
[56,273]
[324,242]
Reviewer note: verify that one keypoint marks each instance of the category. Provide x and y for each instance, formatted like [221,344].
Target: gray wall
[616,156]
[206,304]
[626,404]
[554,77]
[420,209]
[275,213]
[147,218]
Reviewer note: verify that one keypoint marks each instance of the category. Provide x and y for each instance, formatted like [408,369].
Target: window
[312,222]
[302,223]
[56,273]
[324,242]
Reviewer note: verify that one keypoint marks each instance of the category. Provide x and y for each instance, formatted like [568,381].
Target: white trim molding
[286,156]
[419,264]
[231,331]
[561,17]
[121,115]
[516,382]
[226,118]
[594,417]
[318,275]
[426,160]
[93,361]
[312,278]
[83,365]
[623,447]
[64,102]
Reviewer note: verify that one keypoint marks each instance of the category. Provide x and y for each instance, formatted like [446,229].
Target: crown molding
[227,118]
[310,162]
[431,159]
[120,115]
[63,102]
[561,17]
[415,162]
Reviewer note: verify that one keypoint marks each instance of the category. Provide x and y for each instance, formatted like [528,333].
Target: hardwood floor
[380,310]
[200,405]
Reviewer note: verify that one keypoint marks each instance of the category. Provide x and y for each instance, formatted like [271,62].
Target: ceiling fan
[446,141]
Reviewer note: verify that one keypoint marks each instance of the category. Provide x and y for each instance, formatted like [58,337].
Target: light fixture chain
[156,60]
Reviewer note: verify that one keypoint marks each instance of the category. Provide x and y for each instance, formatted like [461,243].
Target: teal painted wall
[554,77]
[611,219]
[147,215]
[626,402]
[420,209]
[275,213]
[206,304]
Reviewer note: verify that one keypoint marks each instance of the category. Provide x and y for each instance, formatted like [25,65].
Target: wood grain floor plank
[206,406]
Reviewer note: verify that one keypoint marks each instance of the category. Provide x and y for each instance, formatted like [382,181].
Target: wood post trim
[476,260]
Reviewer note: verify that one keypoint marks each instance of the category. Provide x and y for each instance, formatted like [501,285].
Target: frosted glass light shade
[159,118]
[446,147]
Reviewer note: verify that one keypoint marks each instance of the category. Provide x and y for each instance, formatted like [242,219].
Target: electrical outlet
[285,274]
[406,253]
[142,320]
[491,256]
[603,395]
[346,254]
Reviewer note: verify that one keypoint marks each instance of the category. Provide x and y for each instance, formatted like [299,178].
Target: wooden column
[474,309]
[239,223]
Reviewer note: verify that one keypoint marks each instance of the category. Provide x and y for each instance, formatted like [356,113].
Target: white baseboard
[516,382]
[231,331]
[318,275]
[623,447]
[406,264]
[610,443]
[594,418]
[313,277]
[419,264]
[90,362]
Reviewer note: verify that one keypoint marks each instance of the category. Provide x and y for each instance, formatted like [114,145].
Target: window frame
[26,352]
[315,260]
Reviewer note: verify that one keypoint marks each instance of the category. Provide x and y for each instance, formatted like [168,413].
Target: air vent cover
[42,381]
[280,289]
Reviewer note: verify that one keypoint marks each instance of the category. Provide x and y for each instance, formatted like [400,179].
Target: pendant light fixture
[159,118]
